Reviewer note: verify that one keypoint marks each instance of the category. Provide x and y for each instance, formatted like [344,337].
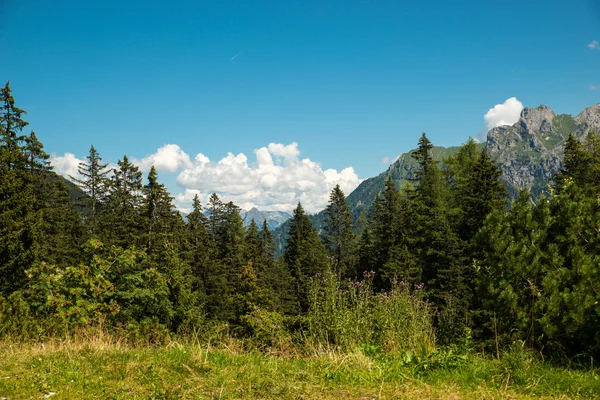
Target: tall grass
[347,315]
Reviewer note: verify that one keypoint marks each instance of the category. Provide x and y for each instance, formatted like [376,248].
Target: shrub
[348,315]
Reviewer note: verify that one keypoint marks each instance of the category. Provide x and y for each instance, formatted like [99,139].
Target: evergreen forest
[445,261]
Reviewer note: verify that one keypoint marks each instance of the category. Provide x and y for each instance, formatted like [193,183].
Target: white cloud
[506,113]
[66,165]
[594,45]
[385,160]
[278,180]
[169,158]
[594,87]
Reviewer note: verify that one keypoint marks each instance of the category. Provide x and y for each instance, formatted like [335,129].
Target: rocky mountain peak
[590,117]
[537,119]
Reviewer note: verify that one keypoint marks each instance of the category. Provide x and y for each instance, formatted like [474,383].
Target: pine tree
[437,245]
[160,219]
[305,255]
[253,245]
[121,223]
[200,248]
[338,233]
[11,126]
[20,224]
[510,276]
[94,183]
[227,229]
[581,164]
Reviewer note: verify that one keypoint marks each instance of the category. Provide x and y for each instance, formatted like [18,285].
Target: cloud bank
[277,179]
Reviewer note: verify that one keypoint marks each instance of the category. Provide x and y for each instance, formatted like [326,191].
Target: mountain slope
[529,153]
[274,218]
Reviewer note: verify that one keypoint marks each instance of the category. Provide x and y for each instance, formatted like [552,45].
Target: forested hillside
[529,153]
[440,261]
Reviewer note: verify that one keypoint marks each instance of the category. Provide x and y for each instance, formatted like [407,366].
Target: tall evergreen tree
[338,233]
[11,126]
[437,245]
[121,220]
[94,183]
[20,224]
[201,250]
[305,255]
[160,219]
[581,164]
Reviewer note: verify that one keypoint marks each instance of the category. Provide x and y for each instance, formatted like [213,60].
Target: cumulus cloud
[66,165]
[594,45]
[506,113]
[169,158]
[277,180]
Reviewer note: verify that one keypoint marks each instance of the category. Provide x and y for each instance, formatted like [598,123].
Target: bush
[268,328]
[348,315]
[16,318]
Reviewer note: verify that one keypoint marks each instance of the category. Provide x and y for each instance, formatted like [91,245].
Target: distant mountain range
[274,218]
[529,153]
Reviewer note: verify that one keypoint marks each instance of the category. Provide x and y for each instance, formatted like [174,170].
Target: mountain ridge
[528,152]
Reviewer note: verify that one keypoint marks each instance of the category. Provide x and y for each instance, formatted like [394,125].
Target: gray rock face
[590,119]
[274,218]
[529,153]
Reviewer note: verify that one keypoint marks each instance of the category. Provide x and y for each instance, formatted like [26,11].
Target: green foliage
[348,315]
[121,222]
[94,183]
[17,320]
[338,234]
[305,255]
[267,329]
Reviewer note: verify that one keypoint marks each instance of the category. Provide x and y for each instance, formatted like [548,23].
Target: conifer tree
[94,183]
[305,255]
[338,235]
[437,245]
[275,276]
[227,229]
[121,222]
[200,248]
[20,224]
[581,164]
[253,244]
[11,126]
[160,219]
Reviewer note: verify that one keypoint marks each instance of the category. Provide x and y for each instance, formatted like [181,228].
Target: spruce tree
[94,183]
[437,245]
[159,217]
[200,246]
[227,229]
[121,222]
[305,255]
[20,222]
[338,234]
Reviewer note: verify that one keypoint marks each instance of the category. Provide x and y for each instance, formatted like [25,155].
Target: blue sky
[350,82]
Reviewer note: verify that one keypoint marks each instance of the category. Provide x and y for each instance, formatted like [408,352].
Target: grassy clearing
[100,368]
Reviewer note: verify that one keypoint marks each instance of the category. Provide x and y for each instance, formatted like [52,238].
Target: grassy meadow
[100,367]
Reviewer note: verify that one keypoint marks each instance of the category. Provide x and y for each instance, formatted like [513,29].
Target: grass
[101,368]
